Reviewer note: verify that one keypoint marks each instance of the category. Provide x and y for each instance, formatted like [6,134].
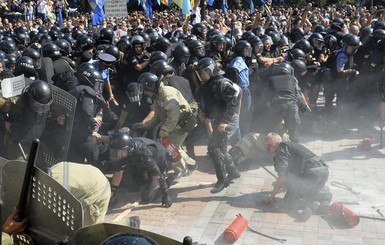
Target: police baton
[271,173]
[27,178]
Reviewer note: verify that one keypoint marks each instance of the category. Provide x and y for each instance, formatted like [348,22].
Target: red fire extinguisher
[349,217]
[171,149]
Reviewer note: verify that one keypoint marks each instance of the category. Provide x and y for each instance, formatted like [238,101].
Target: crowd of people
[148,90]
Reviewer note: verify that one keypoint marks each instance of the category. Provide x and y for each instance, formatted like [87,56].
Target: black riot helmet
[157,55]
[296,54]
[10,61]
[199,30]
[129,238]
[379,25]
[8,47]
[55,35]
[149,82]
[218,43]
[256,44]
[39,96]
[88,75]
[134,92]
[377,36]
[161,68]
[283,68]
[124,45]
[113,50]
[365,33]
[45,38]
[181,53]
[21,38]
[120,147]
[64,46]
[25,65]
[162,44]
[106,36]
[51,50]
[352,41]
[299,67]
[206,69]
[243,48]
[296,34]
[35,55]
[196,48]
[85,43]
[317,41]
[331,42]
[212,32]
[304,45]
[146,38]
[247,34]
[319,29]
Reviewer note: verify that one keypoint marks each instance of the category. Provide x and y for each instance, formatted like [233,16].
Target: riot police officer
[221,101]
[140,156]
[181,55]
[138,59]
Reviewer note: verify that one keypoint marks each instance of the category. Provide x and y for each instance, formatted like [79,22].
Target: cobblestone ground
[204,216]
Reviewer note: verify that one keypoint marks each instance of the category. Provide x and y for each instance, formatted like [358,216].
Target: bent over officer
[221,101]
[302,172]
[145,156]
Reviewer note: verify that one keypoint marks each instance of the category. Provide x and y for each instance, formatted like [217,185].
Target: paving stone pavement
[204,216]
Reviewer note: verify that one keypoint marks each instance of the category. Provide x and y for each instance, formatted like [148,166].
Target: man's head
[272,141]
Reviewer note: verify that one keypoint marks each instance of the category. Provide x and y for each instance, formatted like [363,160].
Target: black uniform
[148,160]
[83,145]
[136,112]
[132,60]
[284,98]
[220,103]
[304,172]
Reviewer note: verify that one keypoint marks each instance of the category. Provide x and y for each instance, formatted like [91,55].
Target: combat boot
[219,186]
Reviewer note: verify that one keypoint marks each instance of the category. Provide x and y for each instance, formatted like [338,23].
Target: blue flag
[147,7]
[97,8]
[225,6]
[210,2]
[252,9]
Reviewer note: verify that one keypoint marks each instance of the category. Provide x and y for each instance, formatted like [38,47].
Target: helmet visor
[200,51]
[37,106]
[247,52]
[204,74]
[118,153]
[135,94]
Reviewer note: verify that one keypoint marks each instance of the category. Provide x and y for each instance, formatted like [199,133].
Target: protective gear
[304,45]
[181,54]
[283,68]
[212,32]
[21,38]
[86,43]
[54,35]
[275,37]
[365,33]
[352,41]
[220,170]
[247,34]
[162,44]
[88,75]
[113,50]
[161,68]
[64,46]
[25,65]
[106,36]
[39,95]
[121,146]
[124,45]
[317,41]
[134,92]
[196,48]
[319,29]
[296,34]
[129,238]
[45,38]
[256,43]
[296,54]
[8,47]
[218,43]
[199,30]
[376,36]
[206,69]
[237,34]
[9,59]
[149,81]
[299,67]
[157,55]
[379,25]
[331,42]
[35,55]
[52,51]
[137,40]
[243,48]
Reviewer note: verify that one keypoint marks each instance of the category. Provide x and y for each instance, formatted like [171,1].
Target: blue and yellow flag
[252,9]
[97,8]
[225,6]
[267,9]
[185,6]
[147,7]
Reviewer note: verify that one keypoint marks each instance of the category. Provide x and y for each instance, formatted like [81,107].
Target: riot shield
[56,137]
[54,214]
[96,234]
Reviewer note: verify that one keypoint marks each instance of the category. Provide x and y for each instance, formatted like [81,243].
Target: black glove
[166,200]
[139,126]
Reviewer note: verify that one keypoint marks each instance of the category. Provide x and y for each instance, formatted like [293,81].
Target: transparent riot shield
[96,234]
[57,134]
